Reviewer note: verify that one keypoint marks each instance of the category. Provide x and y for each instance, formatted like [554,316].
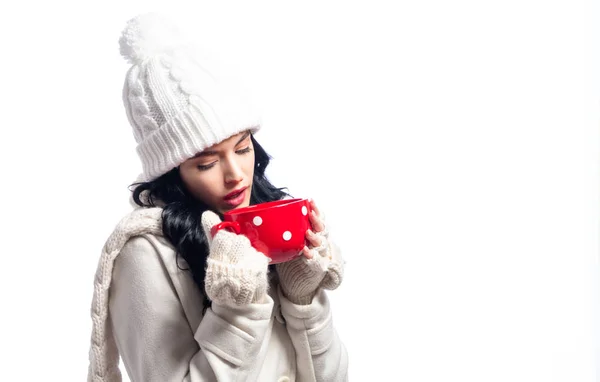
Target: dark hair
[182,212]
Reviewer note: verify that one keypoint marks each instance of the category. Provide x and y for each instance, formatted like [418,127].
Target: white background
[453,146]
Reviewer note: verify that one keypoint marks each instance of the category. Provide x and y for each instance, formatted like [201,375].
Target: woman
[174,302]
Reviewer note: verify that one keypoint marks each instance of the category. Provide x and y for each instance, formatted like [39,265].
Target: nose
[233,173]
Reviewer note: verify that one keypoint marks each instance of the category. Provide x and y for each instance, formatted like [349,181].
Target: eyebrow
[211,152]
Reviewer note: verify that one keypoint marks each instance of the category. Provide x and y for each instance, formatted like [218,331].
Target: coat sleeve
[154,337]
[320,354]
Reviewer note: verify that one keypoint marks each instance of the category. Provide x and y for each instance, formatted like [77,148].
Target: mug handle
[232,226]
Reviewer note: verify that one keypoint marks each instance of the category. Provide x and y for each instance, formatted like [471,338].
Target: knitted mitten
[300,278]
[236,273]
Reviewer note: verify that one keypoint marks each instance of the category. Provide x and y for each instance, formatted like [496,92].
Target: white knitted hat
[176,106]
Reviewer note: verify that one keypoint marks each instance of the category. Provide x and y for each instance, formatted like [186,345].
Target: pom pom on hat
[147,35]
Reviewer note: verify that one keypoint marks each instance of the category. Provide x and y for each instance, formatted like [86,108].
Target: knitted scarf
[104,355]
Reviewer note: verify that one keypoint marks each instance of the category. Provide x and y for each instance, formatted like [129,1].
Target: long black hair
[182,212]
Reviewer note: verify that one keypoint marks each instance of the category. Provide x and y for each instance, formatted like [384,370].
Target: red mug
[276,229]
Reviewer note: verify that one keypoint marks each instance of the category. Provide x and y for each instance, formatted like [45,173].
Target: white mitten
[236,273]
[300,278]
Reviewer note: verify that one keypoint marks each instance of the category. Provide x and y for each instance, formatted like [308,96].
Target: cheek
[249,166]
[205,187]
[201,185]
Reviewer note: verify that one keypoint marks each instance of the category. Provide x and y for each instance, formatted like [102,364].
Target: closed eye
[205,166]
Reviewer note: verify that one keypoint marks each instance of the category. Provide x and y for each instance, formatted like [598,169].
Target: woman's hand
[236,273]
[320,266]
[317,236]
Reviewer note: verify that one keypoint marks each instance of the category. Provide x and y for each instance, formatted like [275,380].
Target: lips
[235,198]
[234,194]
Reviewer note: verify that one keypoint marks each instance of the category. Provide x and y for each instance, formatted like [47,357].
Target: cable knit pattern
[104,355]
[229,283]
[236,273]
[301,278]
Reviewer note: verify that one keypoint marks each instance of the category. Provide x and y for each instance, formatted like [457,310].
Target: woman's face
[221,175]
